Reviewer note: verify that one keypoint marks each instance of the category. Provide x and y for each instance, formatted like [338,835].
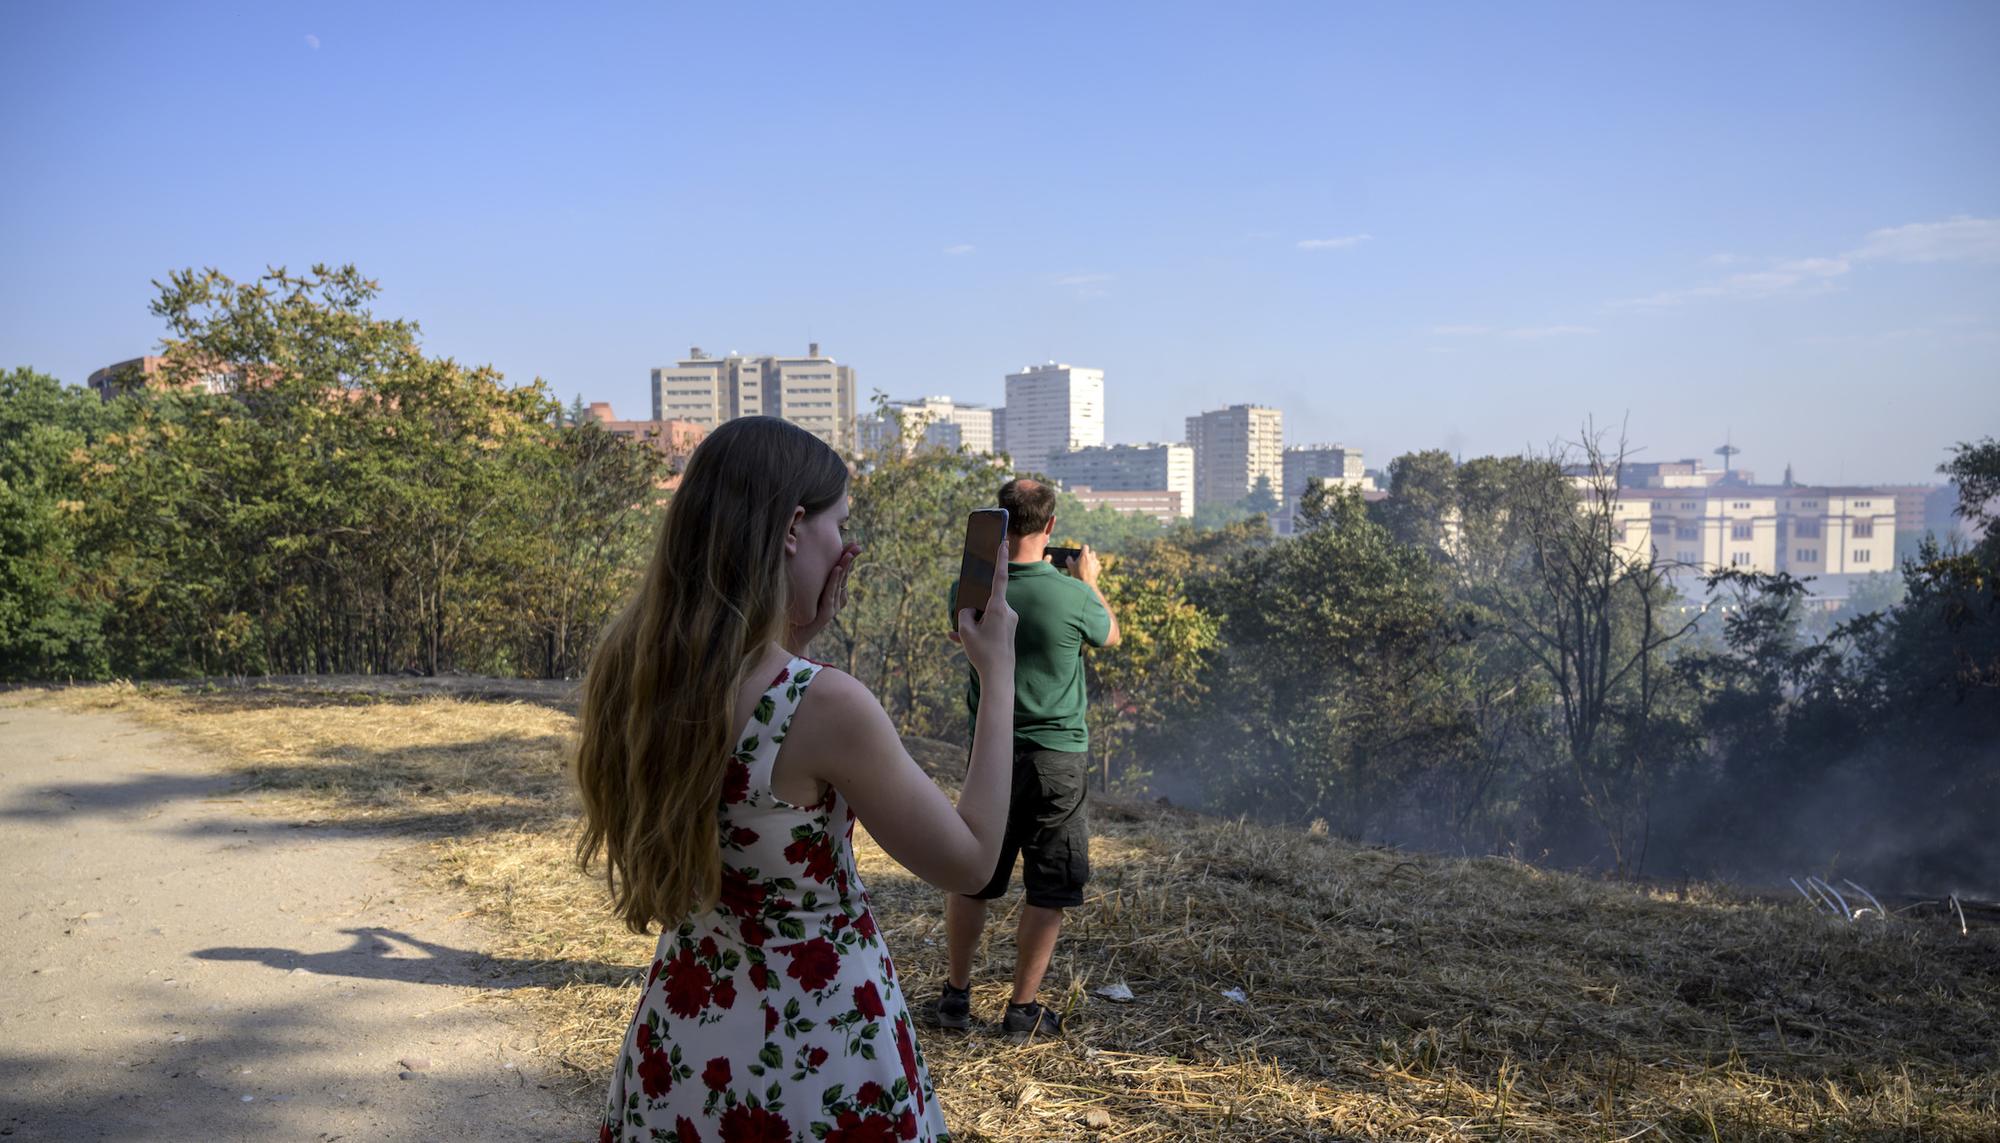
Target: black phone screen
[984,529]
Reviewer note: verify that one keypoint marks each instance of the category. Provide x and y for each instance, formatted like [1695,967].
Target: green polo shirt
[1059,614]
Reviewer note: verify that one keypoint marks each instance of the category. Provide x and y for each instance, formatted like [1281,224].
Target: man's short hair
[1030,505]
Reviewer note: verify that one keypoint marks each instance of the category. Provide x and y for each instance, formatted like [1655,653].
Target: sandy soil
[179,967]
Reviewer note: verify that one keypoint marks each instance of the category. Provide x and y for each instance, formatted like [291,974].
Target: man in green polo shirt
[1061,612]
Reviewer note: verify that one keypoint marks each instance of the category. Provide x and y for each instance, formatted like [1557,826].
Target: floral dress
[776,1015]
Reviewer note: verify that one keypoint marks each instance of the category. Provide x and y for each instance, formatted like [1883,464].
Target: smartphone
[984,529]
[1062,556]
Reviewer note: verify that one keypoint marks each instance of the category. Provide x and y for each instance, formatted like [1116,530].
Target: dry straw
[1285,985]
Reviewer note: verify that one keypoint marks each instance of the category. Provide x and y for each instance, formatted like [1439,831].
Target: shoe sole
[956,1023]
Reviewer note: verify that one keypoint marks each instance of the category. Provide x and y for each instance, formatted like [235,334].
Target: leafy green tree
[1102,527]
[908,514]
[1329,681]
[51,623]
[1157,668]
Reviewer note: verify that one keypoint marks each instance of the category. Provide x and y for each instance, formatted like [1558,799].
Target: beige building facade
[1233,447]
[1758,528]
[1162,506]
[1836,531]
[813,391]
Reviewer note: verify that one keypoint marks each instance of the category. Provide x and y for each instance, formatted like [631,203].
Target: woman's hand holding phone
[989,640]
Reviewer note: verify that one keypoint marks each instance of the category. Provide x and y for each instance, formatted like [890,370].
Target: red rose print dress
[776,1015]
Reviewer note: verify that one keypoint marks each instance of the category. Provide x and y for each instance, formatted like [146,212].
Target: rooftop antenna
[1727,452]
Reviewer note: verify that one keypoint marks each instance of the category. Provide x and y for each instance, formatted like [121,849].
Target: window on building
[1739,559]
[1741,531]
[1686,532]
[1807,529]
[1740,504]
[1864,529]
[1806,555]
[1688,557]
[1864,504]
[1861,555]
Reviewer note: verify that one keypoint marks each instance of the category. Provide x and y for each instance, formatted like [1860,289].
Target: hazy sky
[1408,225]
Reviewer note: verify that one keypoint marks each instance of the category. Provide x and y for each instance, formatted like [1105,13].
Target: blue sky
[1408,225]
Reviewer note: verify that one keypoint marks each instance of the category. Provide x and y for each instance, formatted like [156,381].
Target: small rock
[416,1063]
[1097,1119]
[1119,992]
[409,1075]
[249,1099]
[1235,994]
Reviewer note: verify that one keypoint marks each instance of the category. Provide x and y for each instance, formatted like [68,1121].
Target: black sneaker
[1031,1019]
[954,1008]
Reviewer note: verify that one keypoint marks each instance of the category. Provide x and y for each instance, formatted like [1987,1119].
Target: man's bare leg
[964,920]
[1034,945]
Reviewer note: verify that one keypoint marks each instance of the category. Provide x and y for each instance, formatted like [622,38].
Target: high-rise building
[1052,409]
[814,392]
[1233,447]
[932,423]
[1129,468]
[1325,464]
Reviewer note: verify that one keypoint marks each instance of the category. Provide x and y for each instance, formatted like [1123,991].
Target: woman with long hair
[721,774]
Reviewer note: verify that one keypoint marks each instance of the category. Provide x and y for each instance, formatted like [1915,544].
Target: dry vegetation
[1385,995]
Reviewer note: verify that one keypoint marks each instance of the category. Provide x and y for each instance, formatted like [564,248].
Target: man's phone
[1061,557]
[984,529]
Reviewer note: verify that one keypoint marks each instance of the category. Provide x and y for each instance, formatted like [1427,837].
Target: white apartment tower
[1334,464]
[1130,468]
[932,423]
[814,392]
[1233,447]
[1050,410]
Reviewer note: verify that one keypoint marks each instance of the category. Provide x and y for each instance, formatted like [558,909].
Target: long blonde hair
[660,694]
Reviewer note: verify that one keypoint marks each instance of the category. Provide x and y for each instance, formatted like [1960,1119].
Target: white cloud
[312,41]
[1798,276]
[1087,285]
[1518,333]
[1537,332]
[1342,243]
[961,248]
[1725,259]
[1960,239]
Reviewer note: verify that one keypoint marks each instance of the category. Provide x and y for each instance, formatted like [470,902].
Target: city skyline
[1434,226]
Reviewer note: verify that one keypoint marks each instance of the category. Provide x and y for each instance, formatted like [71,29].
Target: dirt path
[178,967]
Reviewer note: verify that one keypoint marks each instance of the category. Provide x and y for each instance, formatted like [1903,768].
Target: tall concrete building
[1304,465]
[814,392]
[931,423]
[1129,468]
[1233,447]
[1052,409]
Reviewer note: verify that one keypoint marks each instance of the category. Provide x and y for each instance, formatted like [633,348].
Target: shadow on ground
[386,954]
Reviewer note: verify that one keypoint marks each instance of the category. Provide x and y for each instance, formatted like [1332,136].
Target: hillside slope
[1285,985]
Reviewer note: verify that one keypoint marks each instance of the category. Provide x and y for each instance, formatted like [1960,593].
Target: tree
[1329,679]
[908,515]
[1595,622]
[1157,668]
[51,624]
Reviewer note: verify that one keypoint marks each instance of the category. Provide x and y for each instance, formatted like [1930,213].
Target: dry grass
[1386,995]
